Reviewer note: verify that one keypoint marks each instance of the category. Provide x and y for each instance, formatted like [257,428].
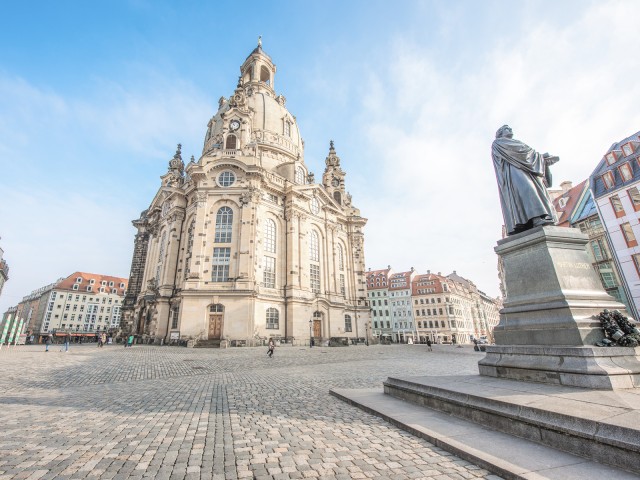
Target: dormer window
[611,158]
[608,180]
[562,202]
[231,143]
[627,149]
[92,281]
[79,280]
[625,172]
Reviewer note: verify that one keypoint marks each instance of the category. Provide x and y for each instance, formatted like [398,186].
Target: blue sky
[94,97]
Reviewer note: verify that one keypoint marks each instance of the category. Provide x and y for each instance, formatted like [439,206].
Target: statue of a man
[523,177]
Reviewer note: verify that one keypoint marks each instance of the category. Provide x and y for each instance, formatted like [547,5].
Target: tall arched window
[264,75]
[340,258]
[232,142]
[314,267]
[314,247]
[347,323]
[224,222]
[299,176]
[187,257]
[273,319]
[269,236]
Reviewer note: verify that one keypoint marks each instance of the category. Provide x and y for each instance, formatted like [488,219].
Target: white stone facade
[242,245]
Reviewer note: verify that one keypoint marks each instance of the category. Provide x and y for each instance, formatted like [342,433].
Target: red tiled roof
[67,283]
[568,200]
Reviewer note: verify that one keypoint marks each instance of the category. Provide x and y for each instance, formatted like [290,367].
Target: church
[242,245]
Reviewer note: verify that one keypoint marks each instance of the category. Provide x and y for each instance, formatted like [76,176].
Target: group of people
[102,340]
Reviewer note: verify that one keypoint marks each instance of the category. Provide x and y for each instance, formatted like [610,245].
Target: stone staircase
[207,344]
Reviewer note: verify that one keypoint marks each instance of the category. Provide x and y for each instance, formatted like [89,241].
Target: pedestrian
[429,344]
[99,340]
[475,345]
[272,347]
[65,346]
[130,341]
[103,339]
[47,342]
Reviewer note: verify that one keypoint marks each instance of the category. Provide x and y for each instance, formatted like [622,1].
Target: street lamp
[310,334]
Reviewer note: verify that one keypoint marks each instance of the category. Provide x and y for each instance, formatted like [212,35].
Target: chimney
[429,272]
[566,186]
[439,274]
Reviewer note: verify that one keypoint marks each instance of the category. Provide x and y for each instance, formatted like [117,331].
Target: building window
[75,286]
[174,318]
[300,176]
[273,322]
[636,262]
[314,250]
[287,128]
[628,234]
[608,180]
[79,280]
[232,143]
[627,149]
[220,264]
[611,158]
[216,308]
[269,272]
[89,288]
[340,258]
[617,206]
[342,286]
[598,250]
[224,222]
[634,196]
[606,274]
[226,179]
[314,273]
[187,259]
[625,172]
[270,236]
[347,323]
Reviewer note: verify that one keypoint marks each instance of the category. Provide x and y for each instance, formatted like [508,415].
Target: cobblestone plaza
[169,412]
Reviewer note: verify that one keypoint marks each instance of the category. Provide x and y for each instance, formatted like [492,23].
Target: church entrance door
[317,331]
[215,326]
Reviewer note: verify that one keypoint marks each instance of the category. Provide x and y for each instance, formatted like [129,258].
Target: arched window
[232,142]
[299,176]
[187,258]
[224,222]
[269,236]
[337,197]
[340,258]
[273,319]
[314,247]
[265,75]
[314,256]
[347,323]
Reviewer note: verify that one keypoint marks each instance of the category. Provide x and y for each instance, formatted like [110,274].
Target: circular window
[226,179]
[315,206]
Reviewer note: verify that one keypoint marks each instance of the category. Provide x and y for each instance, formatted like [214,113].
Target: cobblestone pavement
[174,413]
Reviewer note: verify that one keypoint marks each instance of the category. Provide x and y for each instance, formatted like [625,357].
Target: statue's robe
[521,173]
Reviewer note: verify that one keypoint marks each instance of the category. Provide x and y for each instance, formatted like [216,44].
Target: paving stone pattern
[175,413]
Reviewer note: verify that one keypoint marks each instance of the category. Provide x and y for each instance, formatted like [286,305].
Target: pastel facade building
[378,295]
[242,244]
[402,321]
[4,271]
[615,187]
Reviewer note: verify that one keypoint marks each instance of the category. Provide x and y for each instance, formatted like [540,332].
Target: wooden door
[316,329]
[215,326]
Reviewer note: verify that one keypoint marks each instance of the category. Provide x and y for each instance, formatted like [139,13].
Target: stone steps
[515,429]
[207,344]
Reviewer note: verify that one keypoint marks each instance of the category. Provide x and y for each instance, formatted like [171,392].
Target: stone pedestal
[552,290]
[547,330]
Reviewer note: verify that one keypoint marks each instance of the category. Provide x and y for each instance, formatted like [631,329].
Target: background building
[615,187]
[242,244]
[4,271]
[402,320]
[378,293]
[81,304]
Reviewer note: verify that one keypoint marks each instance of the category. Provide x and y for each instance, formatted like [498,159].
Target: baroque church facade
[242,244]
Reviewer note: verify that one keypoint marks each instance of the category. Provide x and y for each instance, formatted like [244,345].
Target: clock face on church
[234,125]
[335,182]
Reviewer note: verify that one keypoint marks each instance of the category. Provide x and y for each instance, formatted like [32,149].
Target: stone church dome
[255,115]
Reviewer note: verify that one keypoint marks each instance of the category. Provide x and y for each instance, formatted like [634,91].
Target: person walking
[65,346]
[99,340]
[272,347]
[429,344]
[47,343]
[130,341]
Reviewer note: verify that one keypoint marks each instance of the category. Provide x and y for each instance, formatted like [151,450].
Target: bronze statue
[523,177]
